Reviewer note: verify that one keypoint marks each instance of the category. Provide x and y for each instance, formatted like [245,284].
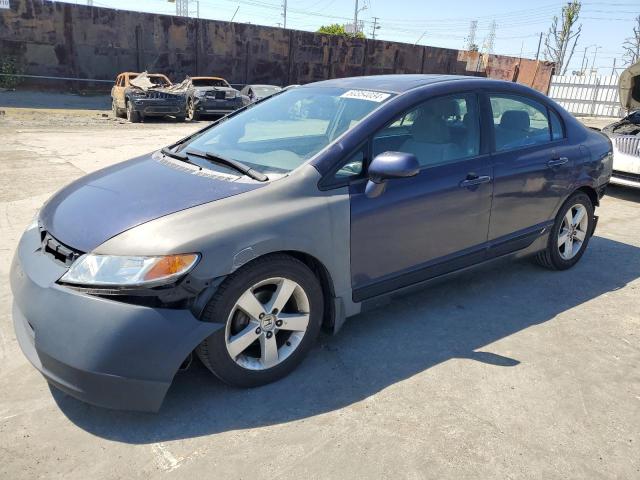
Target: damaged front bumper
[151,107]
[207,105]
[104,352]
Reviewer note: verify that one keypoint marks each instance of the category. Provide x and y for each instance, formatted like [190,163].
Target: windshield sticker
[366,95]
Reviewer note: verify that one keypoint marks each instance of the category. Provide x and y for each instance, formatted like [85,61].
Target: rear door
[435,222]
[118,91]
[532,166]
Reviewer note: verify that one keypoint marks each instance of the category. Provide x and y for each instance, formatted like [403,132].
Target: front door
[427,225]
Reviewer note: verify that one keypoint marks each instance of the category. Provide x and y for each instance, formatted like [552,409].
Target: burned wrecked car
[140,95]
[625,133]
[211,96]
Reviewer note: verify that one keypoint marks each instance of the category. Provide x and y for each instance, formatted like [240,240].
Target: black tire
[192,114]
[180,118]
[550,257]
[132,115]
[213,351]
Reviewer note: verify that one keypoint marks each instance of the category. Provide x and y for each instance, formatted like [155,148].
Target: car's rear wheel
[272,309]
[570,234]
[132,115]
[114,108]
[192,114]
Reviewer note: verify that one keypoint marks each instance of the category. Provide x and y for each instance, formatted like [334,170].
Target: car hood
[629,87]
[99,206]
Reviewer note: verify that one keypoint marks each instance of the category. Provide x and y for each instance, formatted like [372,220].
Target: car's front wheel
[272,309]
[132,115]
[570,234]
[192,114]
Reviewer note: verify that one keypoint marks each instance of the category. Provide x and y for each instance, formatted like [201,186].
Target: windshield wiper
[235,164]
[176,155]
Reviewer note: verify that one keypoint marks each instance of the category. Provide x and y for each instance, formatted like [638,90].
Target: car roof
[263,85]
[208,78]
[391,83]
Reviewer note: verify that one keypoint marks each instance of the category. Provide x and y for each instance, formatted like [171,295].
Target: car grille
[57,250]
[628,145]
[159,95]
[634,177]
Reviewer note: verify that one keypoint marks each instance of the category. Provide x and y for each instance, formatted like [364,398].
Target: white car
[625,133]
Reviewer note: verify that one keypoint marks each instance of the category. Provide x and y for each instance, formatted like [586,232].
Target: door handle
[556,162]
[472,180]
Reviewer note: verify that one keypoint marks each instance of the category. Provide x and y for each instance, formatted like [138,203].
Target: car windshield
[283,132]
[263,91]
[159,80]
[208,82]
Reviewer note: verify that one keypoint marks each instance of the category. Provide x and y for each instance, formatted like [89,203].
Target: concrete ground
[508,371]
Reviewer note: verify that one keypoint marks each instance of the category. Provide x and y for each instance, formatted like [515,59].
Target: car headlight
[230,94]
[125,271]
[200,93]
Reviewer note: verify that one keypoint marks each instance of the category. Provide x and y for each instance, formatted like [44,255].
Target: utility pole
[593,63]
[284,14]
[355,19]
[613,69]
[374,28]
[539,44]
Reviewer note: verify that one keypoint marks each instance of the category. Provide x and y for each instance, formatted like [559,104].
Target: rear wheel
[132,115]
[114,108]
[570,234]
[272,310]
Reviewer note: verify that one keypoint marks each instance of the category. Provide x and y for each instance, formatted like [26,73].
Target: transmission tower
[490,41]
[471,39]
[182,8]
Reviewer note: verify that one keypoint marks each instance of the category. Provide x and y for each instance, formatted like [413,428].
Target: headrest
[515,120]
[430,126]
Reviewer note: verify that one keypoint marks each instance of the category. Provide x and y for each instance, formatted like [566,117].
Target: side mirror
[390,165]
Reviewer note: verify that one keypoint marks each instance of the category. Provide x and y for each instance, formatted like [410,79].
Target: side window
[557,132]
[440,130]
[519,122]
[352,167]
[119,81]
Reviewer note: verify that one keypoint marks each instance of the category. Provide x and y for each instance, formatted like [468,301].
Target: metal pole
[198,8]
[355,19]
[234,13]
[584,56]
[539,44]
[285,14]
[593,63]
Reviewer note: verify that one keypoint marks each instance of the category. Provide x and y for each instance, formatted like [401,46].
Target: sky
[605,24]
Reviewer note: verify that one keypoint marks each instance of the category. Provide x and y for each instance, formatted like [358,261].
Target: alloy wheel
[190,110]
[573,231]
[267,323]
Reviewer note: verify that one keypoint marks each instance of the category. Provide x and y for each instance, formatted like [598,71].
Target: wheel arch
[324,277]
[591,193]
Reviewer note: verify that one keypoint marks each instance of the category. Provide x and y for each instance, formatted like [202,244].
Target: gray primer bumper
[107,353]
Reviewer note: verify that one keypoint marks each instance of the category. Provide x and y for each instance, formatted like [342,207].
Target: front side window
[519,122]
[283,132]
[441,130]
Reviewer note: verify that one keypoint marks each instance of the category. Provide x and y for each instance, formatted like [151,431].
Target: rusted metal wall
[60,39]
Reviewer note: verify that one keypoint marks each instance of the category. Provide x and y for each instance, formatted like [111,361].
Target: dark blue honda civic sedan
[240,242]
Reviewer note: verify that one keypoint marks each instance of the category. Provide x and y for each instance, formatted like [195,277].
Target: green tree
[337,29]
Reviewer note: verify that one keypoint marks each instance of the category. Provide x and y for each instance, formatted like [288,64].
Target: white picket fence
[593,96]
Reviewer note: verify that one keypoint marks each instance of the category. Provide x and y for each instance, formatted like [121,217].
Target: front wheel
[272,309]
[570,234]
[192,114]
[132,115]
